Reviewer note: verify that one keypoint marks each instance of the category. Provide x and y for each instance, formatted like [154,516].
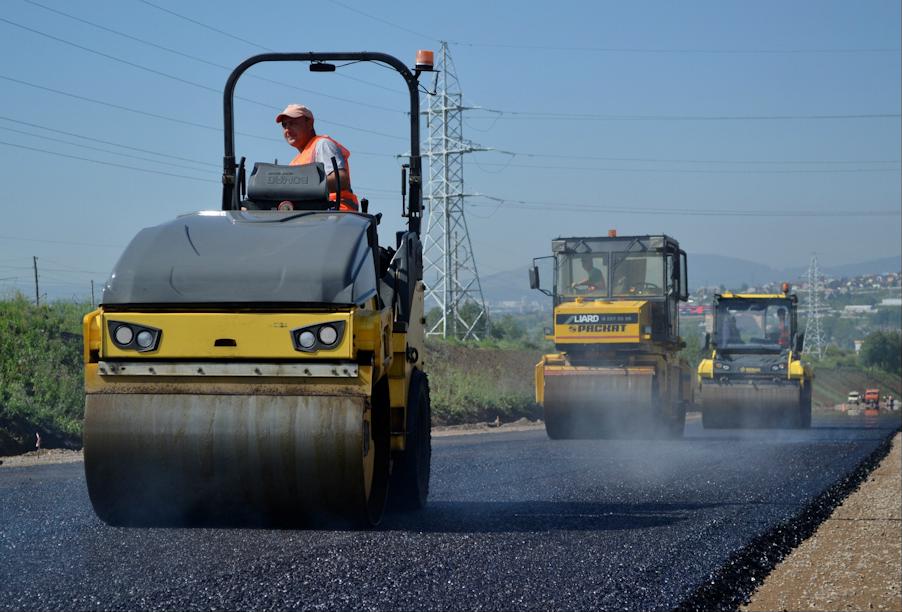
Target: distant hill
[709,270]
[873,266]
[510,285]
[704,270]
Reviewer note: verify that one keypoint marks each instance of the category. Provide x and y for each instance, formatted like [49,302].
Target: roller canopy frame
[230,168]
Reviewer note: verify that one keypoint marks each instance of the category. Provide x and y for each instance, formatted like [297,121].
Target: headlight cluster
[720,365]
[134,337]
[317,337]
[777,367]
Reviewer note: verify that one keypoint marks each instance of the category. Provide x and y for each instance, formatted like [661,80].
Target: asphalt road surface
[515,522]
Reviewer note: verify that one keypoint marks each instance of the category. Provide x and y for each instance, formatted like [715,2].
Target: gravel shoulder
[854,559]
[42,457]
[476,428]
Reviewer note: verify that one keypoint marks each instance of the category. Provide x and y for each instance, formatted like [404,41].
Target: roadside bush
[41,385]
[883,350]
[471,383]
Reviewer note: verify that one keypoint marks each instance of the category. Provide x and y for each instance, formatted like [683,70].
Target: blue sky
[696,119]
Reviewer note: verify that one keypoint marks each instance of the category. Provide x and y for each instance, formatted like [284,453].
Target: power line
[252,43]
[150,114]
[684,51]
[384,21]
[102,150]
[67,270]
[624,49]
[691,171]
[69,242]
[554,206]
[694,161]
[537,115]
[107,142]
[112,57]
[207,27]
[185,81]
[106,163]
[205,61]
[117,106]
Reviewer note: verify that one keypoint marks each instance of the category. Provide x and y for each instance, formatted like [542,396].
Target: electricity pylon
[814,339]
[452,281]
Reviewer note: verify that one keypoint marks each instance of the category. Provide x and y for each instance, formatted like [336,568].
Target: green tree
[432,317]
[883,349]
[508,328]
[889,317]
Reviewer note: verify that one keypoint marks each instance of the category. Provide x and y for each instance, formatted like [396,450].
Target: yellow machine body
[753,375]
[264,361]
[227,419]
[616,370]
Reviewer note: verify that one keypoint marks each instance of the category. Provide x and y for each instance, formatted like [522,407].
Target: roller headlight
[323,336]
[144,339]
[328,335]
[123,335]
[719,365]
[306,339]
[134,337]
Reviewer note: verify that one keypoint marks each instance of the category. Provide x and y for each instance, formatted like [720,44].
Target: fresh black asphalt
[515,522]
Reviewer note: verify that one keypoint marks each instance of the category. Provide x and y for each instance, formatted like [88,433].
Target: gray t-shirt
[325,150]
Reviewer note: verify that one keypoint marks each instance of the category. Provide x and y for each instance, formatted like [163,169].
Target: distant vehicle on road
[854,398]
[872,398]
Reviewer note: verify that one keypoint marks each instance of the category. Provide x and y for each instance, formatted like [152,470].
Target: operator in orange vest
[782,328]
[297,128]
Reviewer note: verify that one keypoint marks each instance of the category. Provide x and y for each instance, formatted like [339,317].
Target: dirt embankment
[854,559]
[832,385]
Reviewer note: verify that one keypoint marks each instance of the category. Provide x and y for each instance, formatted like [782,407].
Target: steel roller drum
[600,402]
[182,459]
[750,405]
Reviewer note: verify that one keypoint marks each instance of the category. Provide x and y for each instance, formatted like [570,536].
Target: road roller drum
[262,458]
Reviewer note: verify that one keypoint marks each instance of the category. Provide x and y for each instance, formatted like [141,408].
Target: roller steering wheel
[642,288]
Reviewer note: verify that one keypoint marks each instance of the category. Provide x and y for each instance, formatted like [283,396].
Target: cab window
[637,274]
[583,275]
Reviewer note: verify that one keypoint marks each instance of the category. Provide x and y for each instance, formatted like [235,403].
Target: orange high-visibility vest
[348,199]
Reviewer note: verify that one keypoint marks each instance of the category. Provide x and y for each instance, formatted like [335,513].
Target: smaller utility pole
[37,293]
[92,294]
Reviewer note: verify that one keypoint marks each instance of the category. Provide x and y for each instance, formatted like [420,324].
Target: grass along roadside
[479,384]
[41,385]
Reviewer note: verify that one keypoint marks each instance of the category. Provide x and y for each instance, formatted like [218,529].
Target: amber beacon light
[425,60]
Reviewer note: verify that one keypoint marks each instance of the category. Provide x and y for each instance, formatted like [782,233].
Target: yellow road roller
[263,362]
[753,375]
[616,370]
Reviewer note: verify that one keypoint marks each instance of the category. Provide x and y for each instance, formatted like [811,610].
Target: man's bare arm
[345,180]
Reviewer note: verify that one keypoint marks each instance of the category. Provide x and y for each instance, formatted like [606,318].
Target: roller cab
[616,370]
[258,365]
[753,375]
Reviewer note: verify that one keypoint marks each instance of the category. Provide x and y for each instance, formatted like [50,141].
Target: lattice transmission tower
[814,339]
[449,267]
